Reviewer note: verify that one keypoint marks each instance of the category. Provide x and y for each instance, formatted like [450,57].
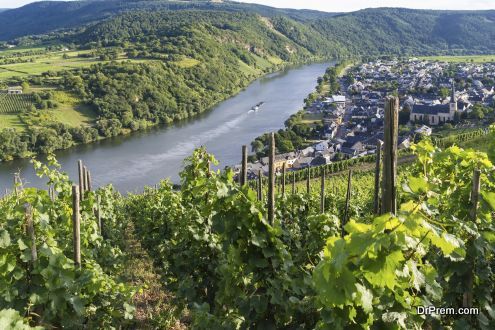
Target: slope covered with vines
[233,269]
[228,267]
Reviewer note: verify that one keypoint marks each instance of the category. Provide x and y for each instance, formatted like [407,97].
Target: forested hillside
[406,31]
[46,16]
[370,31]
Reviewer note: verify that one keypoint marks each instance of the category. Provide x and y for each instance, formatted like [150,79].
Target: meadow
[50,61]
[461,59]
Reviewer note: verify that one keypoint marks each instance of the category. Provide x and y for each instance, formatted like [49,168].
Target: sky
[343,5]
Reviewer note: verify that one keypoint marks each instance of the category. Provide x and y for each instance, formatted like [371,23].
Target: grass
[53,61]
[70,111]
[18,50]
[11,121]
[461,59]
[312,118]
[480,144]
[187,63]
[247,70]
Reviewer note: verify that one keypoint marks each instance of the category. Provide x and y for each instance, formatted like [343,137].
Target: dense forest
[377,31]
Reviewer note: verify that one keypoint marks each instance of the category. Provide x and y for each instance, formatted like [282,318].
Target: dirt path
[154,309]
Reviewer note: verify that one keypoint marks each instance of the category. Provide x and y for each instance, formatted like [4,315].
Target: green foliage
[10,319]
[233,269]
[50,289]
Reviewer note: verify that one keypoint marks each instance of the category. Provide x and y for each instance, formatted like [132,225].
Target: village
[434,96]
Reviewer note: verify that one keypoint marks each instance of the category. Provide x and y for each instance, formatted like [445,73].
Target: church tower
[453,102]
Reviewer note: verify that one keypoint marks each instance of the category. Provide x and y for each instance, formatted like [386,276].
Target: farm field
[461,59]
[14,103]
[54,61]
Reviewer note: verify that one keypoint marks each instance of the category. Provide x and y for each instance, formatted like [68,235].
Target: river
[131,162]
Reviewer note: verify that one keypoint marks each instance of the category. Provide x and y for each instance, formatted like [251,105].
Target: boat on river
[257,106]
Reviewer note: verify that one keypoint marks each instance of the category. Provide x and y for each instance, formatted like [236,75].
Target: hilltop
[369,31]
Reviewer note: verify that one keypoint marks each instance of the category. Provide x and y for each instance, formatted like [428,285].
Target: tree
[444,92]
[257,146]
[25,86]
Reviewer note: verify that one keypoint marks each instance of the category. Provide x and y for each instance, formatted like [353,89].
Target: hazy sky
[344,5]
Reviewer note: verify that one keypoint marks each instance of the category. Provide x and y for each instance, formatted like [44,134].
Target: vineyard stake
[347,202]
[271,180]
[322,194]
[76,225]
[293,183]
[89,184]
[283,179]
[475,193]
[81,179]
[28,209]
[376,202]
[467,298]
[391,129]
[308,181]
[260,185]
[85,178]
[98,214]
[244,166]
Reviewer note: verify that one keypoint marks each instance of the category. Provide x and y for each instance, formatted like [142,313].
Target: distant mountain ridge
[364,32]
[46,16]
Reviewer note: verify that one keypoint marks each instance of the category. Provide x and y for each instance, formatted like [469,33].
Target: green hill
[370,31]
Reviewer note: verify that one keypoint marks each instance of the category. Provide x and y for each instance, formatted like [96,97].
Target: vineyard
[15,103]
[313,255]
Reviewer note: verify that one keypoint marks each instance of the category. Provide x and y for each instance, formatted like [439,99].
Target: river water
[131,162]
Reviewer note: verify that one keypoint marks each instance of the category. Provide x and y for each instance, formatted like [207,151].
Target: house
[338,99]
[302,162]
[14,90]
[320,160]
[288,159]
[423,130]
[321,146]
[309,151]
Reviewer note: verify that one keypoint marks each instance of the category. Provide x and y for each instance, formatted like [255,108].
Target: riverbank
[60,135]
[144,158]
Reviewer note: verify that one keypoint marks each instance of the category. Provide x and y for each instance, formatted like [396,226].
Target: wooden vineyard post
[283,179]
[98,214]
[376,202]
[28,209]
[89,184]
[85,178]
[293,183]
[308,181]
[347,202]
[271,180]
[244,166]
[467,298]
[390,132]
[260,185]
[322,193]
[76,225]
[475,193]
[17,183]
[81,179]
